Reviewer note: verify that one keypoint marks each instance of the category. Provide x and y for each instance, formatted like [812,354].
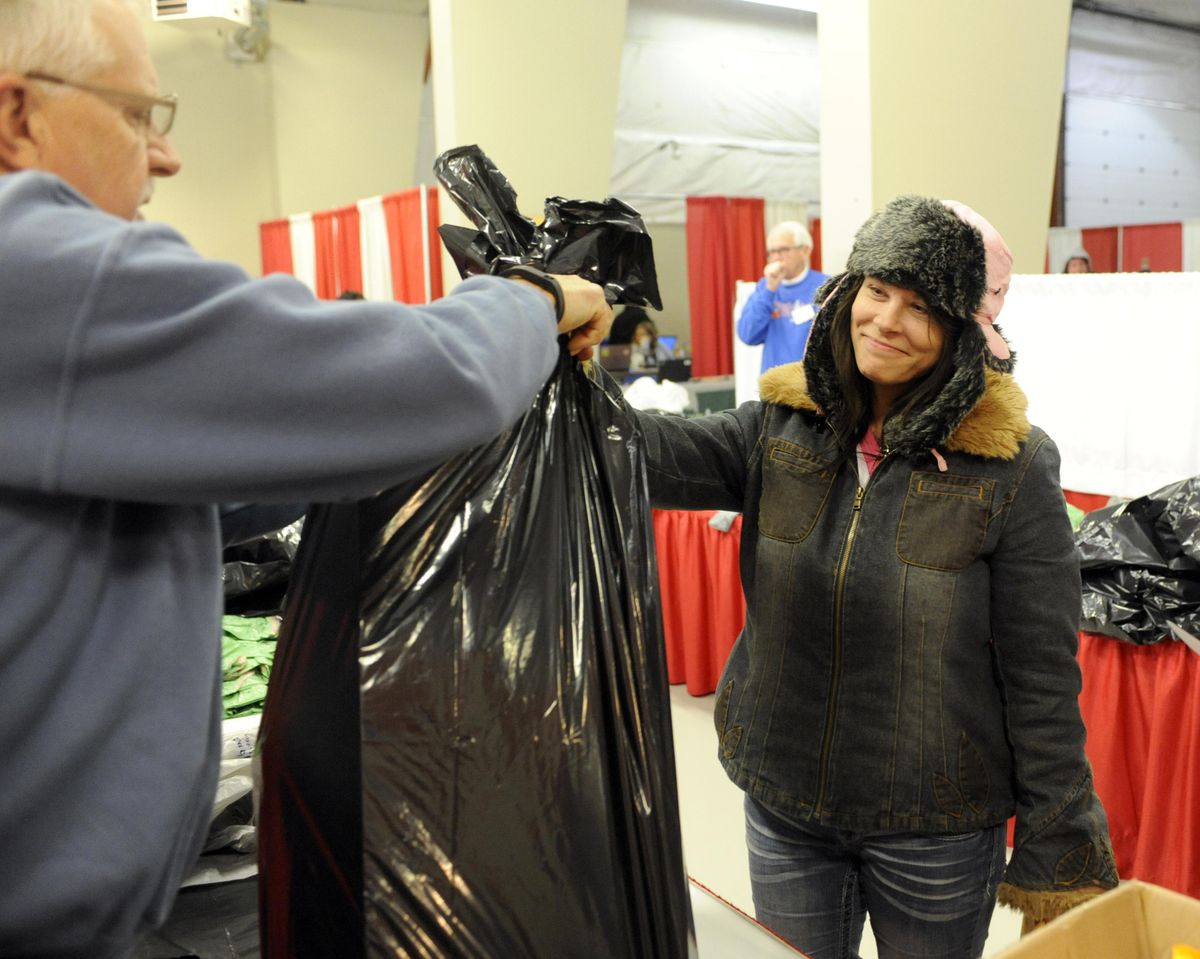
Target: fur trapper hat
[922,244]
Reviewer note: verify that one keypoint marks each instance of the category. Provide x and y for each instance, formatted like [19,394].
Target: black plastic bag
[255,572]
[605,242]
[467,743]
[1141,565]
[466,750]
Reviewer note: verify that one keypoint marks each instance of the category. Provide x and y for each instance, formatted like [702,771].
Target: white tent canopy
[716,98]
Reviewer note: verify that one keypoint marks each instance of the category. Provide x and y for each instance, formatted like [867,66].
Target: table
[1141,704]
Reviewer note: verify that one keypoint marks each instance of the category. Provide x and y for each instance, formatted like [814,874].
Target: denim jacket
[908,659]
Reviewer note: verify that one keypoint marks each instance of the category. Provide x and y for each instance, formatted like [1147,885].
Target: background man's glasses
[780,250]
[157,113]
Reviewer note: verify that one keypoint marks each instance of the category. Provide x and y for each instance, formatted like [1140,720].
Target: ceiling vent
[178,11]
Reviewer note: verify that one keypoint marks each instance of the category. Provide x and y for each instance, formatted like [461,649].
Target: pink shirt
[869,452]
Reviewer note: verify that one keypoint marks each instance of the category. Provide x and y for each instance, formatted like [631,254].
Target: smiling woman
[896,339]
[905,681]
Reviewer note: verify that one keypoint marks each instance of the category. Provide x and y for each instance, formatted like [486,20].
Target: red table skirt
[702,601]
[1141,704]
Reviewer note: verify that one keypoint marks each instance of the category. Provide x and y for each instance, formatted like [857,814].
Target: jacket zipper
[839,596]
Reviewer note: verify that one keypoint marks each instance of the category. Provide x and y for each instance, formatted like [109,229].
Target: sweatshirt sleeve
[142,371]
[1061,849]
[755,318]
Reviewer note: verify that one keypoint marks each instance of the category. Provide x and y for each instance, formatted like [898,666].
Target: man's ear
[18,144]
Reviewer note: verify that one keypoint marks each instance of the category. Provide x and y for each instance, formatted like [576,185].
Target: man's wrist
[543,281]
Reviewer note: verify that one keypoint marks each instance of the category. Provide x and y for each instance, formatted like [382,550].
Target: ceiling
[1184,14]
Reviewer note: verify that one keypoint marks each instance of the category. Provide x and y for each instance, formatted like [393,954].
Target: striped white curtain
[1191,245]
[304,249]
[376,254]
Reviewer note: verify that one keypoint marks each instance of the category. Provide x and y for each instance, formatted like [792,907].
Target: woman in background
[1078,262]
[906,679]
[634,326]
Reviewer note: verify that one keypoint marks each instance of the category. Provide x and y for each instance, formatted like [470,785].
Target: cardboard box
[1137,920]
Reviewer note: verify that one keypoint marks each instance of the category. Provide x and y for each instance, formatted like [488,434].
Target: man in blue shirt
[131,379]
[779,312]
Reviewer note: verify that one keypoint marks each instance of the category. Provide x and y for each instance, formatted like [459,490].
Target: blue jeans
[929,897]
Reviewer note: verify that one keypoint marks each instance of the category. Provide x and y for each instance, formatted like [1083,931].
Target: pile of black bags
[1141,565]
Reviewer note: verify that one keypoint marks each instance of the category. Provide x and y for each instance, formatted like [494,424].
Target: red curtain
[338,251]
[349,249]
[275,240]
[1139,706]
[1086,501]
[1101,244]
[702,603]
[435,244]
[325,245]
[725,239]
[1157,247]
[815,229]
[402,213]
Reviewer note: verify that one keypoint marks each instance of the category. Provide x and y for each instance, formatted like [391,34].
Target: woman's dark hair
[857,393]
[625,324]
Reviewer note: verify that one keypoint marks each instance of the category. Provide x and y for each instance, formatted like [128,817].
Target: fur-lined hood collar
[993,427]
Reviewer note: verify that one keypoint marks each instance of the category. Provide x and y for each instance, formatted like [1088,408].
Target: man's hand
[773,271]
[587,315]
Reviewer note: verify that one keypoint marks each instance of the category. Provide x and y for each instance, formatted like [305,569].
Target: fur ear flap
[819,371]
[994,362]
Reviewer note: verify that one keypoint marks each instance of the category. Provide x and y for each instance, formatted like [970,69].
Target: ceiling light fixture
[808,6]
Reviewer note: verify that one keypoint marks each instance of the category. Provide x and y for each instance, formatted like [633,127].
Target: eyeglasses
[780,250]
[157,113]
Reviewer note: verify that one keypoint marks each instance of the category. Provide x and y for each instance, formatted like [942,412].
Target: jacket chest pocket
[796,484]
[944,521]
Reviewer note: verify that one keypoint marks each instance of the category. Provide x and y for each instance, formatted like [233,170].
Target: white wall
[670,260]
[224,131]
[716,98]
[330,117]
[347,87]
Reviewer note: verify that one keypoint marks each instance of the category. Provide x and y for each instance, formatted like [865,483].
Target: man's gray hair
[58,37]
[799,232]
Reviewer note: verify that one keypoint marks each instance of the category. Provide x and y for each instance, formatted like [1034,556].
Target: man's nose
[161,155]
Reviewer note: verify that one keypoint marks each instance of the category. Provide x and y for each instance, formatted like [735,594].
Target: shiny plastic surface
[605,242]
[467,744]
[254,573]
[1141,565]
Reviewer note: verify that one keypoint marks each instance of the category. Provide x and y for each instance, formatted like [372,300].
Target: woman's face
[643,334]
[896,339]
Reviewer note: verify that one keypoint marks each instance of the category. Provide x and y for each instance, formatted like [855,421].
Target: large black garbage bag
[605,242]
[467,745]
[255,567]
[1141,565]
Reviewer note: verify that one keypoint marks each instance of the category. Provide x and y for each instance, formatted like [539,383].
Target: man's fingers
[585,310]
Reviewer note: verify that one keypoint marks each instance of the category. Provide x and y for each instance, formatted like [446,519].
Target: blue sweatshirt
[780,320]
[141,385]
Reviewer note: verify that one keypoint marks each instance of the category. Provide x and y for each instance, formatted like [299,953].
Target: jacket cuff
[1043,905]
